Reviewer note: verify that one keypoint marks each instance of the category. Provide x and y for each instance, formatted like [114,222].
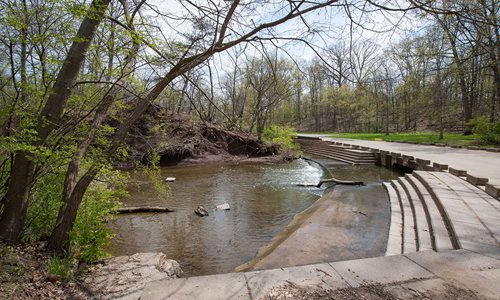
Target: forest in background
[77,75]
[438,78]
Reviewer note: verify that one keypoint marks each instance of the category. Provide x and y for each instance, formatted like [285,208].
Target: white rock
[224,206]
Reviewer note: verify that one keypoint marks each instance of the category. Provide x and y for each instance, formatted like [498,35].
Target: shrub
[45,201]
[90,233]
[488,132]
[283,137]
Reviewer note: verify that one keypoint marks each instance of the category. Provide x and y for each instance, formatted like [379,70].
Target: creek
[263,198]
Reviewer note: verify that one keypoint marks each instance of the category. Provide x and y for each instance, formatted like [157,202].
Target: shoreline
[218,159]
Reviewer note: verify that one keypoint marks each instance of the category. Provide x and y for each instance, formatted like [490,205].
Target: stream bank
[176,139]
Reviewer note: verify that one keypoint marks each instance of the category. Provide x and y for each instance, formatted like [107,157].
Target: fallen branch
[334,180]
[138,209]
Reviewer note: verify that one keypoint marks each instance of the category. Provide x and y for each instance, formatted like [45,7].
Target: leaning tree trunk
[70,207]
[74,190]
[68,211]
[21,178]
[58,241]
[67,214]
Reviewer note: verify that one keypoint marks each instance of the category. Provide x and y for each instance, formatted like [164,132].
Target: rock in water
[201,211]
[124,277]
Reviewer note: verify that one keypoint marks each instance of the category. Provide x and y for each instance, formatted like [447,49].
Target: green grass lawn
[415,137]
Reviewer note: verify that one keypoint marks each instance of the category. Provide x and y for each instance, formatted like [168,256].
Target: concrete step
[395,239]
[409,233]
[473,220]
[340,158]
[350,151]
[440,239]
[467,188]
[330,156]
[345,156]
[422,227]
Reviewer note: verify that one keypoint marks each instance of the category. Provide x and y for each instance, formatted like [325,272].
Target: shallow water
[263,199]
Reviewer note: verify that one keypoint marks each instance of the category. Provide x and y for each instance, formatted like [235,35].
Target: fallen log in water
[138,209]
[334,180]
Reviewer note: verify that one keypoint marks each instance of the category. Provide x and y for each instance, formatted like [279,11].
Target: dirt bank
[178,139]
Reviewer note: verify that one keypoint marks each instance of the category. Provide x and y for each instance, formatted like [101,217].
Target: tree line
[439,78]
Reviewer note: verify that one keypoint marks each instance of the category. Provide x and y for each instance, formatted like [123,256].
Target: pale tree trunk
[21,179]
[466,98]
[438,97]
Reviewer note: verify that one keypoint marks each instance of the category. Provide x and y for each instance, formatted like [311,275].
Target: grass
[451,139]
[60,267]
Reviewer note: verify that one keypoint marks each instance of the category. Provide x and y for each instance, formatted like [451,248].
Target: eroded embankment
[178,139]
[346,223]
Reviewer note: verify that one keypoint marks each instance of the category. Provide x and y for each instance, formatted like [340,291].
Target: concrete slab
[493,190]
[471,260]
[492,275]
[319,275]
[383,270]
[415,290]
[221,286]
[484,249]
[457,172]
[440,167]
[453,272]
[476,180]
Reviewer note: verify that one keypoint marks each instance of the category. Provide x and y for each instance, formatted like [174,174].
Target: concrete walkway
[415,275]
[478,163]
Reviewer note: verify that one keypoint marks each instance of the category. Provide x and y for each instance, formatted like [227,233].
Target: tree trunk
[67,213]
[14,215]
[71,197]
[16,199]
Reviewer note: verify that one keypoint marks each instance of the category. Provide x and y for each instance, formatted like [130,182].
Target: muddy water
[263,200]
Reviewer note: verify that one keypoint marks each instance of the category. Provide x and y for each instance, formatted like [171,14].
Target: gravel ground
[370,292]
